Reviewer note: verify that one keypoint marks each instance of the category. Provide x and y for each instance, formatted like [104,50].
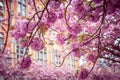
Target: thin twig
[99,29]
[102,20]
[64,59]
[38,22]
[33,17]
[66,13]
[31,36]
[35,8]
[6,38]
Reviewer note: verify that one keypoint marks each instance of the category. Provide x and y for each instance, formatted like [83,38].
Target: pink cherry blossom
[91,25]
[75,29]
[91,57]
[75,48]
[55,4]
[22,25]
[83,74]
[31,26]
[37,44]
[52,17]
[24,43]
[18,34]
[25,62]
[60,38]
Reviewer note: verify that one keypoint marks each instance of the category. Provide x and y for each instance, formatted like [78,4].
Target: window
[56,58]
[1,39]
[71,62]
[82,61]
[1,10]
[20,51]
[42,56]
[22,7]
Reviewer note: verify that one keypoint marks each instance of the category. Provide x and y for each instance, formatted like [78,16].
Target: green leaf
[81,36]
[43,29]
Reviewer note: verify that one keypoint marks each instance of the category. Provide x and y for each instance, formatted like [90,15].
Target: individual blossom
[60,14]
[55,4]
[21,30]
[31,26]
[37,44]
[52,17]
[18,34]
[77,5]
[25,62]
[30,2]
[105,27]
[75,47]
[75,29]
[60,38]
[76,52]
[83,74]
[22,25]
[93,19]
[24,43]
[91,57]
[95,15]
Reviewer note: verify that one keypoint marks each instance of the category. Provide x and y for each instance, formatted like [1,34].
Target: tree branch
[7,32]
[110,59]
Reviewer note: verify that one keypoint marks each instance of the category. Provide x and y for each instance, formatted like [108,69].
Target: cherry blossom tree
[89,28]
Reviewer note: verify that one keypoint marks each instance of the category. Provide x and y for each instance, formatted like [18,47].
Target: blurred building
[49,56]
